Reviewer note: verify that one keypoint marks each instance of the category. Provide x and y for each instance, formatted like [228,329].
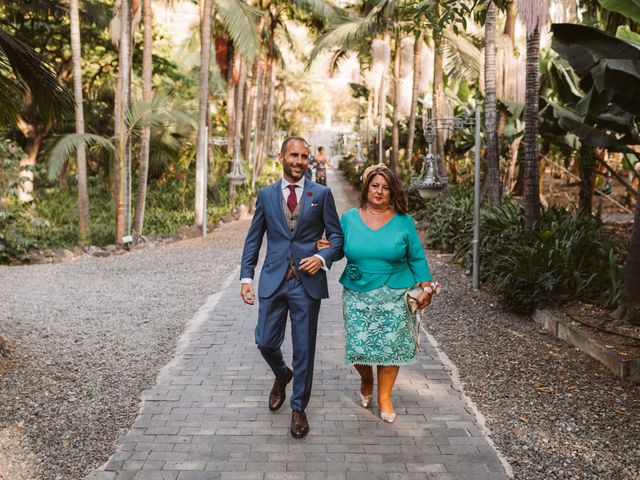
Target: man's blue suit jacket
[317,215]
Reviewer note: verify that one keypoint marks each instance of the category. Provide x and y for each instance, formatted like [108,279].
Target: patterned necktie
[292,200]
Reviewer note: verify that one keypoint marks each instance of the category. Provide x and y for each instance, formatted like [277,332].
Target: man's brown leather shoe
[278,392]
[299,424]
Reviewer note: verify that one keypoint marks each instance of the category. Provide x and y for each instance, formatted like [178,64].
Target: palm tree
[81,156]
[534,14]
[203,109]
[417,73]
[395,128]
[438,98]
[378,21]
[28,82]
[155,113]
[123,95]
[145,140]
[493,159]
[238,19]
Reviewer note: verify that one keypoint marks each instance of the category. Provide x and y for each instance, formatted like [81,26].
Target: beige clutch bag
[411,298]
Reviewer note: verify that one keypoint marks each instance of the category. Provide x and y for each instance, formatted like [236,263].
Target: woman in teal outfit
[384,259]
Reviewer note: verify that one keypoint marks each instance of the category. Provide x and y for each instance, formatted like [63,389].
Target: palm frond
[343,35]
[338,55]
[53,100]
[10,96]
[154,113]
[347,32]
[464,59]
[68,144]
[321,8]
[240,20]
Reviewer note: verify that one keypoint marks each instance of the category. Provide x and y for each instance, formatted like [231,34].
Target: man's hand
[246,292]
[311,265]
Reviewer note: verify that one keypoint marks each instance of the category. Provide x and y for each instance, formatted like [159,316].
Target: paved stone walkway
[207,417]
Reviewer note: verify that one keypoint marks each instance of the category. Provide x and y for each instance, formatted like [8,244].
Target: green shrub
[353,172]
[448,220]
[568,258]
[13,243]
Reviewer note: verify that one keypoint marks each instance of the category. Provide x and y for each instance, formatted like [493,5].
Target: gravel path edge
[475,411]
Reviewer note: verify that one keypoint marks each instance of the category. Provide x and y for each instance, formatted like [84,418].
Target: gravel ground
[554,412]
[89,336]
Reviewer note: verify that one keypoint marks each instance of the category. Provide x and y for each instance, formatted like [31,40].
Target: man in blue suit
[294,213]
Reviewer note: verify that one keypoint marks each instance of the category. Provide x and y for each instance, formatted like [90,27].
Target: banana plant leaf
[562,125]
[628,8]
[597,43]
[608,67]
[624,32]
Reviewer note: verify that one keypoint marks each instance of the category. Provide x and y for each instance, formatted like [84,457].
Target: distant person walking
[321,166]
[294,213]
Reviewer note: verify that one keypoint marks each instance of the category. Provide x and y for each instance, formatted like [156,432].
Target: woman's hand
[424,300]
[322,244]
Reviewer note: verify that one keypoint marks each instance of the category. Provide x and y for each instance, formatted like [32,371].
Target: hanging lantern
[428,184]
[237,175]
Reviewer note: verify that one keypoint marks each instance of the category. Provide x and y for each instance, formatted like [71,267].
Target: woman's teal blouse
[392,255]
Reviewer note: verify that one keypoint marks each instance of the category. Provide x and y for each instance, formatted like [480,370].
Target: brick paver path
[207,417]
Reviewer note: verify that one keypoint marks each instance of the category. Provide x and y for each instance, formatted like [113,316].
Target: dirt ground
[618,337]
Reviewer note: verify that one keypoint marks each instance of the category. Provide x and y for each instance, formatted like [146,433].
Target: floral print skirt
[379,330]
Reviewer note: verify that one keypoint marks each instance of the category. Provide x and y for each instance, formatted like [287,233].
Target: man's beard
[289,171]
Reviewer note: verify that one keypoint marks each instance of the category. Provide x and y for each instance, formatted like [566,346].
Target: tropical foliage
[148,113]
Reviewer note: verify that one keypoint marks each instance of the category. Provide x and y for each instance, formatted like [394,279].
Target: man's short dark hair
[290,139]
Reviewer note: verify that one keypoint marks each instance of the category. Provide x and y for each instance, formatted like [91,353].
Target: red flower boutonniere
[309,194]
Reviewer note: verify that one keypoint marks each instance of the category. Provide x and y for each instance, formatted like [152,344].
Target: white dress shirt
[284,186]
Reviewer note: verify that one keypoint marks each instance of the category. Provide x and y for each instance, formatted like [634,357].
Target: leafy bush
[14,216]
[448,220]
[568,258]
[352,172]
[13,243]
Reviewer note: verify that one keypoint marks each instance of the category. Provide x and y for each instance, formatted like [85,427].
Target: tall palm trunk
[534,14]
[203,110]
[81,156]
[239,103]
[417,73]
[124,83]
[510,21]
[382,102]
[493,159]
[255,120]
[145,139]
[231,108]
[438,100]
[395,128]
[510,34]
[629,309]
[531,159]
[34,134]
[270,101]
[264,114]
[250,97]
